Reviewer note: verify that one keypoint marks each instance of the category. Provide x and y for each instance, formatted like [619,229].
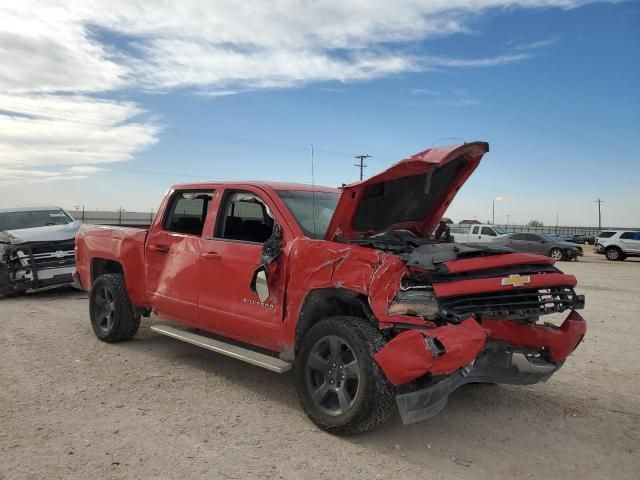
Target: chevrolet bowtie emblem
[516,280]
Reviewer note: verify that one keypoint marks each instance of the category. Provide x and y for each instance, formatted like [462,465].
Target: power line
[361,165]
[174,131]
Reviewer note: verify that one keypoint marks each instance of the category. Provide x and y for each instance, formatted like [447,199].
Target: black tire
[557,254]
[113,318]
[373,400]
[613,254]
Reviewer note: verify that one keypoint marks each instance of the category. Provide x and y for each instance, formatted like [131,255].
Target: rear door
[630,242]
[537,244]
[172,254]
[229,256]
[474,235]
[518,241]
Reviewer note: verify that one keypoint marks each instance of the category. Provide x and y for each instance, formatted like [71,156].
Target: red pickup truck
[346,285]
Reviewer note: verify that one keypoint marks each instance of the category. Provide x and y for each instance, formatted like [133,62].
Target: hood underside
[412,195]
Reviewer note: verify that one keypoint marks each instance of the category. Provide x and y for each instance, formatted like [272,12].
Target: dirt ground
[73,407]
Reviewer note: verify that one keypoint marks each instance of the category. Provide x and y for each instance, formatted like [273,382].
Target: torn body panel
[410,355]
[560,342]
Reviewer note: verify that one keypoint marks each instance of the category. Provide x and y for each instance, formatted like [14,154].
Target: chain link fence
[119,217]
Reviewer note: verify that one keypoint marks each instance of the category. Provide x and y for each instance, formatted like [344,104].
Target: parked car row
[549,245]
[554,246]
[37,246]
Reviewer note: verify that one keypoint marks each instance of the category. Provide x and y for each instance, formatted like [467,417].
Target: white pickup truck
[476,233]
[36,248]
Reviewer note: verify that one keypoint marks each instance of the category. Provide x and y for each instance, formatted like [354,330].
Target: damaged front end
[481,308]
[35,265]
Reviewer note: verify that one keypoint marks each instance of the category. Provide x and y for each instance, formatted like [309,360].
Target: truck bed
[101,247]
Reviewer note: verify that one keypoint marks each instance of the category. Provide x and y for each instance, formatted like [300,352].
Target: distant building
[469,222]
[447,220]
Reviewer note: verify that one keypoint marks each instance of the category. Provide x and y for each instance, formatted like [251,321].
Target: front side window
[500,230]
[488,231]
[245,218]
[187,212]
[606,234]
[33,219]
[312,210]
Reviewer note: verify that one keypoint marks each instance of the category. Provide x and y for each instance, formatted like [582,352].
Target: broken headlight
[421,303]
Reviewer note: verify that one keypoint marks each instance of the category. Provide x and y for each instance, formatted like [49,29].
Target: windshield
[500,230]
[32,219]
[301,204]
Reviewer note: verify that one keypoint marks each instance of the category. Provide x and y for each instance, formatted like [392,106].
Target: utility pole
[361,164]
[599,202]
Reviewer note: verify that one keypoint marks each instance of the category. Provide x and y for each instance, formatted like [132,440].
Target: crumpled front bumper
[492,366]
[493,351]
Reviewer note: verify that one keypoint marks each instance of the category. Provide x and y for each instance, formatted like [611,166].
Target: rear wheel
[557,254]
[113,318]
[614,254]
[339,384]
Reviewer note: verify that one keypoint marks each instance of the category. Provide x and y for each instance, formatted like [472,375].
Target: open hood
[413,194]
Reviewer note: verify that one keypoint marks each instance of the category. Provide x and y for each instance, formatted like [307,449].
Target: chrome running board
[234,351]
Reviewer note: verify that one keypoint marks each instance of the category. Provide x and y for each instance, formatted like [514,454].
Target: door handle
[160,248]
[211,255]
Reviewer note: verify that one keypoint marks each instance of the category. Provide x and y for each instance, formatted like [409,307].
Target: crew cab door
[228,260]
[630,242]
[173,253]
[519,242]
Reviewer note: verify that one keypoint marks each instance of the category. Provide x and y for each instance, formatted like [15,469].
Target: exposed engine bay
[427,263]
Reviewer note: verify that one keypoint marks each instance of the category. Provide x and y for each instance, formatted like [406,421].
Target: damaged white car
[37,249]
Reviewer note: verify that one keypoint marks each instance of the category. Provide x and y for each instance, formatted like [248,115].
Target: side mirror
[270,251]
[272,247]
[259,283]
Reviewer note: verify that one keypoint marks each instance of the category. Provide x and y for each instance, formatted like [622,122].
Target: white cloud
[75,131]
[58,57]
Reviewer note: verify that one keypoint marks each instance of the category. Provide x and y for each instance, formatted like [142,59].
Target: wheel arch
[102,266]
[328,302]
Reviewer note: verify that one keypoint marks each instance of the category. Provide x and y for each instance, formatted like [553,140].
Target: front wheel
[113,318]
[339,384]
[556,254]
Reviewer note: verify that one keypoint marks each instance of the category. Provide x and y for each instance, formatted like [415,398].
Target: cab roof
[300,187]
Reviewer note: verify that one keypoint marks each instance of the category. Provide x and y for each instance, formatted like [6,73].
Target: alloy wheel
[104,309]
[556,254]
[333,375]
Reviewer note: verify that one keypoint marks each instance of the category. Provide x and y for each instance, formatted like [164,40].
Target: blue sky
[555,91]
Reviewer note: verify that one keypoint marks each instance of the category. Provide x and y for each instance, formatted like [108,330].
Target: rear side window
[475,230]
[488,231]
[630,236]
[188,212]
[606,234]
[518,236]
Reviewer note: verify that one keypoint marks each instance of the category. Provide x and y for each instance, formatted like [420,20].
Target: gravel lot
[73,407]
